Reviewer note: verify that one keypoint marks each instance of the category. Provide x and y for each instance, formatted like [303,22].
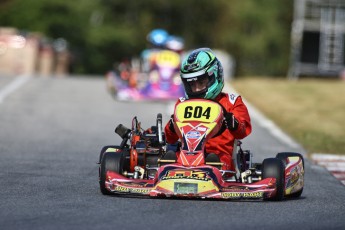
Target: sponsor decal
[193,134]
[182,174]
[295,176]
[192,79]
[242,195]
[232,97]
[131,190]
[202,129]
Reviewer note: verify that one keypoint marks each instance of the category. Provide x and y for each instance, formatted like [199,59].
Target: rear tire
[283,156]
[274,167]
[111,161]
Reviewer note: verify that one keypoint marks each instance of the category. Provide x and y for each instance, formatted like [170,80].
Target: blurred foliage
[255,32]
[317,119]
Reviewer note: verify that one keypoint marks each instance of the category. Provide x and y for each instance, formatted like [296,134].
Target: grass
[312,111]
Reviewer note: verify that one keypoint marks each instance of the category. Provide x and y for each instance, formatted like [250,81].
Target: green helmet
[201,65]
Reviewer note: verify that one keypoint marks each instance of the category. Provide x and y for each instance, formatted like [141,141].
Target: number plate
[185,188]
[198,110]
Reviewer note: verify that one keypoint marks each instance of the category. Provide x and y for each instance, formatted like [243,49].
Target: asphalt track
[51,131]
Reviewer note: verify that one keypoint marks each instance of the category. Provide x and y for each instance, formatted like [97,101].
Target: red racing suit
[222,145]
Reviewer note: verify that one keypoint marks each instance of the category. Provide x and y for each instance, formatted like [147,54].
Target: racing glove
[230,121]
[171,124]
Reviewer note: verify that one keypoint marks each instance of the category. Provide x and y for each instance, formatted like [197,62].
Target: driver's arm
[170,134]
[240,112]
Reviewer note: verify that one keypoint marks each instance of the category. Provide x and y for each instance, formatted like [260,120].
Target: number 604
[197,112]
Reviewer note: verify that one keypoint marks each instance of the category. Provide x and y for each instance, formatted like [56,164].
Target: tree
[100,32]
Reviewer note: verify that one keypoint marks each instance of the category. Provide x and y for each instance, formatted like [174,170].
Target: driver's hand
[171,124]
[230,121]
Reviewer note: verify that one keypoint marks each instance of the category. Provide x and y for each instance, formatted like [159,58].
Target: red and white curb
[333,163]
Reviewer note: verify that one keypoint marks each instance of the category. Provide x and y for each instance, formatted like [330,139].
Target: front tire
[111,161]
[104,149]
[274,167]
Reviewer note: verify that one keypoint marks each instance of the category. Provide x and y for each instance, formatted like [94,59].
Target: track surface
[51,132]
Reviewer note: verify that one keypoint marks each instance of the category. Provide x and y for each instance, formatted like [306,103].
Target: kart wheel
[124,150]
[283,156]
[111,161]
[274,167]
[105,149]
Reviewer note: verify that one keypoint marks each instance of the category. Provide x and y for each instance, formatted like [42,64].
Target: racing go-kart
[148,166]
[160,82]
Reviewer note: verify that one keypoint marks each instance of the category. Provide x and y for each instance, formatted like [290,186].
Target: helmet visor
[196,87]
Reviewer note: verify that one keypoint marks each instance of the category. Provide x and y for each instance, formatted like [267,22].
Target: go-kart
[161,81]
[164,81]
[148,166]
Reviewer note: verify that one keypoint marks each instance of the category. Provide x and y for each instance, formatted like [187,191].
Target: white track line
[271,127]
[13,86]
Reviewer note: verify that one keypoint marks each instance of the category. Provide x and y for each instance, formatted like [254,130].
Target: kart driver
[202,75]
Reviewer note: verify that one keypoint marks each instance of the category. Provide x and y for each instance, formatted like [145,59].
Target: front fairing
[193,182]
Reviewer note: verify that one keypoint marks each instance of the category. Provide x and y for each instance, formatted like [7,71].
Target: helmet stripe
[196,74]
